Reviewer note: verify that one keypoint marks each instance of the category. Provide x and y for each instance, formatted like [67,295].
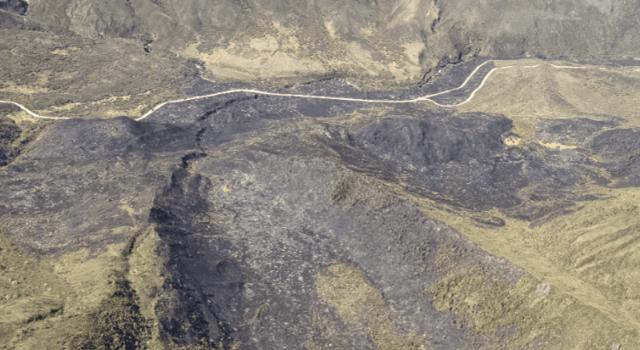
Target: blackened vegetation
[573,131]
[17,6]
[455,159]
[619,152]
[87,141]
[462,160]
[117,323]
[615,149]
[294,217]
[203,289]
[9,133]
[225,104]
[342,190]
[187,159]
[15,138]
[458,96]
[108,161]
[490,222]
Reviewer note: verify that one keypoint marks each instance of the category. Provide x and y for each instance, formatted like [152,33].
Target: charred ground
[249,221]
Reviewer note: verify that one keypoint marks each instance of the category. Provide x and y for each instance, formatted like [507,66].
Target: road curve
[30,112]
[322,97]
[425,98]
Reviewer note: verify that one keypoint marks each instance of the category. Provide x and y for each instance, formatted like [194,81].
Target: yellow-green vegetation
[360,305]
[528,94]
[579,287]
[584,262]
[16,133]
[533,312]
[29,294]
[77,300]
[117,322]
[600,243]
[145,274]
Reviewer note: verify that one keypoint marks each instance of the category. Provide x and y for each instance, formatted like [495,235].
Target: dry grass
[588,258]
[527,95]
[68,301]
[360,305]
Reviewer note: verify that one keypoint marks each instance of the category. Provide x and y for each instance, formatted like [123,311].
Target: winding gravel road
[425,98]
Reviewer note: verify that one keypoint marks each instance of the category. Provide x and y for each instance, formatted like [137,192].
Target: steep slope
[320,175]
[395,227]
[390,40]
[84,48]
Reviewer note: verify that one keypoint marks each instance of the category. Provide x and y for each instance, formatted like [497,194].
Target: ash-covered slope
[275,223]
[500,215]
